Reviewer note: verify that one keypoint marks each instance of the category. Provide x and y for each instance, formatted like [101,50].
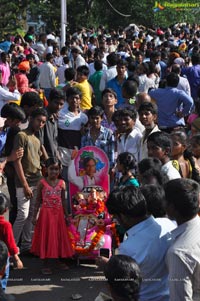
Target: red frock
[51,237]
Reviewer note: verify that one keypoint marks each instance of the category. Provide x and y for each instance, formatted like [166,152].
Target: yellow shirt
[86,100]
[56,80]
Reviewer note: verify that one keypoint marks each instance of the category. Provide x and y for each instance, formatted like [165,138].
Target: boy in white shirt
[159,145]
[130,137]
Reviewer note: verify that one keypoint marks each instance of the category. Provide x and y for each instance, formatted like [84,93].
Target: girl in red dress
[51,238]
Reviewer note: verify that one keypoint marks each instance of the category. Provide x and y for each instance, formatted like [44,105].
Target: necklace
[94,134]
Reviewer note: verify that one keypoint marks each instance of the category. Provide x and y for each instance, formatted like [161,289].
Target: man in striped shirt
[183,257]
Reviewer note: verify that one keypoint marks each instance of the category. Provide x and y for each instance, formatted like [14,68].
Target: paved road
[30,285]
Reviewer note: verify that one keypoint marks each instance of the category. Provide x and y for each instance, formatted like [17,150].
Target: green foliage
[170,16]
[91,13]
[12,15]
[100,12]
[47,10]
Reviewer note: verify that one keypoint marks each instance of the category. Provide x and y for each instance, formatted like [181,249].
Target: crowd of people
[135,94]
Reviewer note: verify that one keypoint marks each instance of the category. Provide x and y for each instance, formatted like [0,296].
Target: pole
[63,21]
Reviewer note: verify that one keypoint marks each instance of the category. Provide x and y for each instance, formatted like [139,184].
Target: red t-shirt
[6,235]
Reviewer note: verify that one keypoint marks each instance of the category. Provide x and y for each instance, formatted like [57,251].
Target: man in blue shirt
[145,242]
[173,104]
[117,82]
[193,75]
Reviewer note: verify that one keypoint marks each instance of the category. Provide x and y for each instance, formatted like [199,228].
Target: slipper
[46,271]
[63,266]
[76,297]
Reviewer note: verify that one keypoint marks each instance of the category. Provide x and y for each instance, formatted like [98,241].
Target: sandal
[46,271]
[63,266]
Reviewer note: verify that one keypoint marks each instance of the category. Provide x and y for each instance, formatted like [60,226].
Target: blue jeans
[4,280]
[47,92]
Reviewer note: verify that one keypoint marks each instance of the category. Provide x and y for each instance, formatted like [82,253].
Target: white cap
[180,61]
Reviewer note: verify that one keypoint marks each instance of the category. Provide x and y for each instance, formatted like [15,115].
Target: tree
[47,10]
[171,15]
[111,13]
[12,15]
[87,13]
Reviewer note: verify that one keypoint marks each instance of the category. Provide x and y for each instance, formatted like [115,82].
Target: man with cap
[22,79]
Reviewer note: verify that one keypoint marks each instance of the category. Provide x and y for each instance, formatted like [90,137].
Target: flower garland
[100,207]
[73,235]
[115,236]
[89,208]
[101,231]
[95,240]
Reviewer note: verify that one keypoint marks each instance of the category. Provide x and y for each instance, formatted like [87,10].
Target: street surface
[30,285]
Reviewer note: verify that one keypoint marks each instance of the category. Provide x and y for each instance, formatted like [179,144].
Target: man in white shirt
[47,79]
[145,83]
[41,46]
[93,42]
[183,81]
[183,257]
[61,70]
[78,60]
[111,72]
[70,121]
